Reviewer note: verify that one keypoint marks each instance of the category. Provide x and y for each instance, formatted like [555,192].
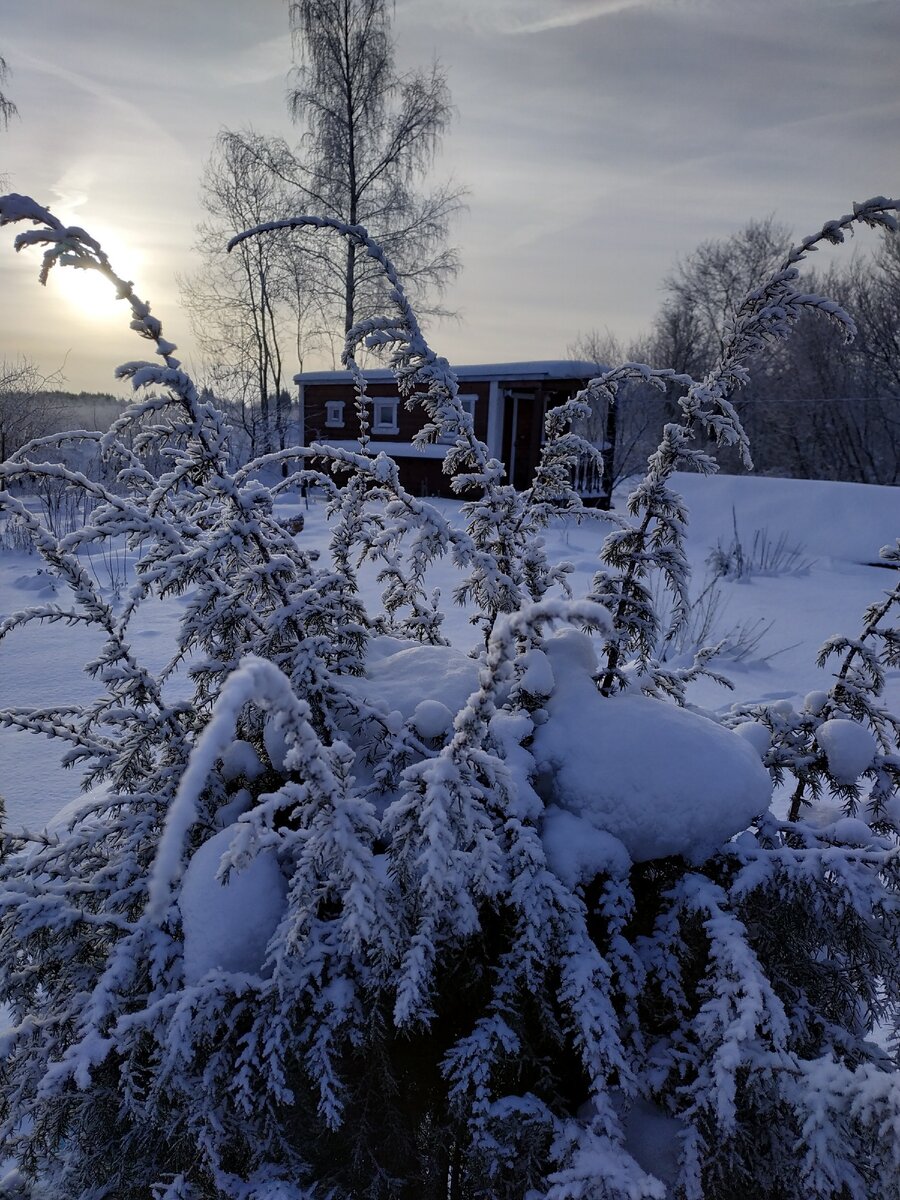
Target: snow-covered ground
[837,529]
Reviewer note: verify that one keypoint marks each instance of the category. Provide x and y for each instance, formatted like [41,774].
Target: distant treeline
[94,410]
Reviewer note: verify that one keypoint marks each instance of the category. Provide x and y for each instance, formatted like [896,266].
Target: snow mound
[848,746]
[431,719]
[536,673]
[659,778]
[653,1139]
[77,810]
[227,926]
[402,675]
[755,734]
[42,583]
[578,851]
[830,521]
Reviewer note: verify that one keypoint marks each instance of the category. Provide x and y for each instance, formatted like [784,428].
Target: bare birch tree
[705,288]
[7,108]
[875,291]
[369,136]
[247,307]
[27,410]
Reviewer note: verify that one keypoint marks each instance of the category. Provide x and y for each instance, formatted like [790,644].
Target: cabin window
[334,414]
[467,400]
[384,416]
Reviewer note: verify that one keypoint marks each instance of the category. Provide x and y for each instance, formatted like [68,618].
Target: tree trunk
[609,456]
[349,286]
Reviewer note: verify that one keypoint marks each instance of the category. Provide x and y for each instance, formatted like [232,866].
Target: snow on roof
[514,371]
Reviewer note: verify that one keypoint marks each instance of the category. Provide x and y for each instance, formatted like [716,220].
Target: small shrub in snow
[364,917]
[764,556]
[704,629]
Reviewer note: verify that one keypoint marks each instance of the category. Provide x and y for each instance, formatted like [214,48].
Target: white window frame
[468,401]
[334,414]
[379,424]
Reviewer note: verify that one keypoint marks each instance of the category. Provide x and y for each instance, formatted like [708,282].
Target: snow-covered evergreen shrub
[361,917]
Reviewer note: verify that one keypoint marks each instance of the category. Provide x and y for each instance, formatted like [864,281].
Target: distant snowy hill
[844,521]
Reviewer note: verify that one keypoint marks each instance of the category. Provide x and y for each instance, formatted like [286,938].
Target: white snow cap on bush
[848,746]
[227,925]
[431,718]
[578,852]
[659,778]
[402,675]
[814,702]
[240,761]
[755,734]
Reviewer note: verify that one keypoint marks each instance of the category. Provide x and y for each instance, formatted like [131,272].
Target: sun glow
[89,292]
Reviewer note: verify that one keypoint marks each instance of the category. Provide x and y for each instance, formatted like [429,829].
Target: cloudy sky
[598,139]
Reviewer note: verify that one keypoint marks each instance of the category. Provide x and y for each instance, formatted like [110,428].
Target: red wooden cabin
[508,402]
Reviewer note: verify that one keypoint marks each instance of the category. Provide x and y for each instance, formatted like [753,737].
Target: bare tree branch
[7,108]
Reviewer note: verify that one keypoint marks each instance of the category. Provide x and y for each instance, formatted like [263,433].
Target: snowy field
[810,576]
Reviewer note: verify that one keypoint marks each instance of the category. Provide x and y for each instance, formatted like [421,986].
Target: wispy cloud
[73,187]
[569,13]
[509,17]
[257,63]
[136,116]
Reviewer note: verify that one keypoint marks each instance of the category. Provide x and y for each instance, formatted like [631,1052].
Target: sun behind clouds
[89,292]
